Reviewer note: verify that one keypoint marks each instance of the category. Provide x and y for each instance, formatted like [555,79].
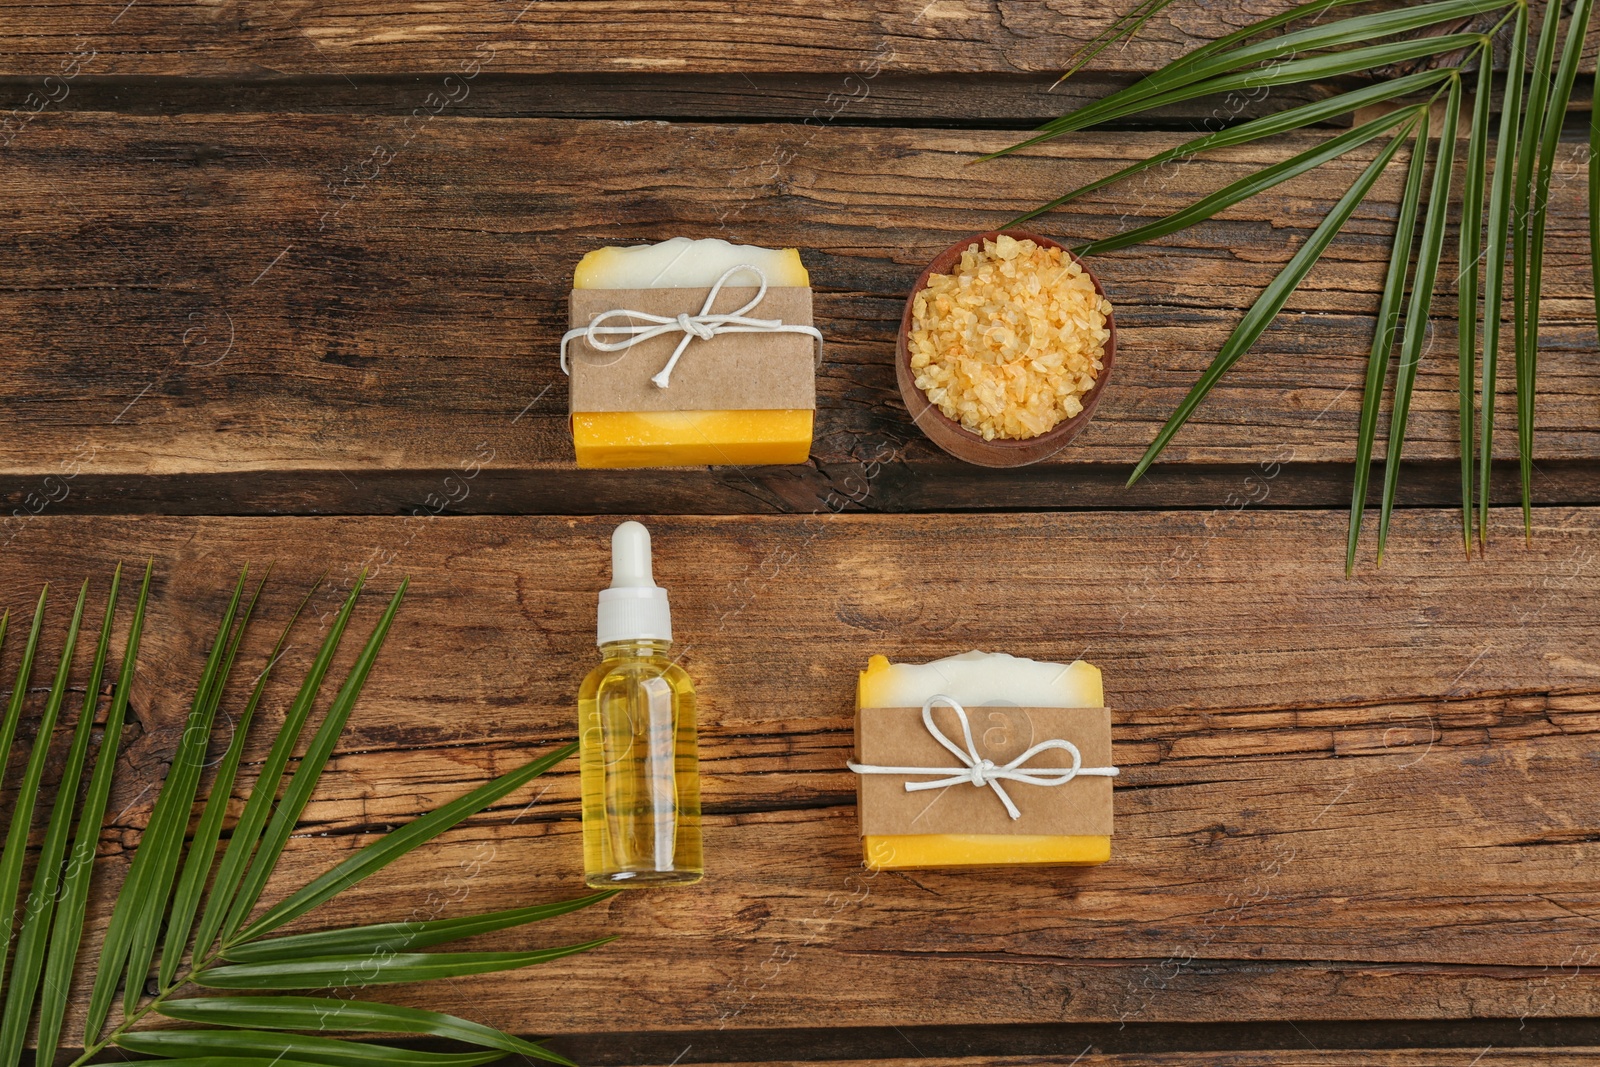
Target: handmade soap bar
[996,691]
[675,436]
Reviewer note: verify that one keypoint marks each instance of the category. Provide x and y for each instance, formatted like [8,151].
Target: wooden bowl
[951,435]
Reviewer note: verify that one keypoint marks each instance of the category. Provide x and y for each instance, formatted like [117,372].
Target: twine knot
[694,326]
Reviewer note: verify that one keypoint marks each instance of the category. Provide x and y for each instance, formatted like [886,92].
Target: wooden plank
[1393,821]
[570,36]
[250,296]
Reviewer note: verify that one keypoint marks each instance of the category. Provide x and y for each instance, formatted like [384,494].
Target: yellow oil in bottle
[638,755]
[639,763]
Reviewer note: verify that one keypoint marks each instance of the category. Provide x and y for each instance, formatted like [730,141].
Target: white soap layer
[976,679]
[684,264]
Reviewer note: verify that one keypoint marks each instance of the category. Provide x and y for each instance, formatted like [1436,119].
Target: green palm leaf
[1257,129]
[322,1050]
[396,843]
[403,936]
[1323,35]
[133,900]
[203,849]
[1514,211]
[1501,211]
[1289,72]
[361,1016]
[1221,57]
[1416,324]
[247,834]
[1526,340]
[304,780]
[1271,302]
[162,845]
[1312,68]
[49,932]
[1245,188]
[1554,117]
[8,734]
[367,968]
[33,940]
[41,901]
[1312,9]
[1394,289]
[1471,249]
[70,913]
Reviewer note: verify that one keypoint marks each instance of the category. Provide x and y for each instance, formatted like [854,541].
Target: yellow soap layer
[882,685]
[902,851]
[610,439]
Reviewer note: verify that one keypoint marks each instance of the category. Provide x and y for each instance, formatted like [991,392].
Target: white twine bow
[705,326]
[982,772]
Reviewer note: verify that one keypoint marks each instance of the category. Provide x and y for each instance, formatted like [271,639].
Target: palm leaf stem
[1388,323]
[1502,194]
[1555,113]
[1469,261]
[1412,345]
[1125,26]
[1527,164]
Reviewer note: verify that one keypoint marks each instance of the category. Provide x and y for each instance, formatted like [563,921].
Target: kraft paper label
[729,372]
[897,737]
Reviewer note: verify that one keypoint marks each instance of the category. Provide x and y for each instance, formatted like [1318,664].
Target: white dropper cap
[635,607]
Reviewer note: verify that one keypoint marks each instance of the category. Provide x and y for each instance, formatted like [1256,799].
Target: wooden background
[282,281]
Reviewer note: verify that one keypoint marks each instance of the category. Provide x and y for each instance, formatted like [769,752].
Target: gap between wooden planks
[1344,799]
[254,296]
[992,101]
[1090,1057]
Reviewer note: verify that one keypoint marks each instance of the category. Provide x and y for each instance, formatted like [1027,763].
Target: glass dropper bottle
[638,753]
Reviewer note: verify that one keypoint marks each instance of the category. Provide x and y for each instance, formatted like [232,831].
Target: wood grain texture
[1342,799]
[252,296]
[311,259]
[246,38]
